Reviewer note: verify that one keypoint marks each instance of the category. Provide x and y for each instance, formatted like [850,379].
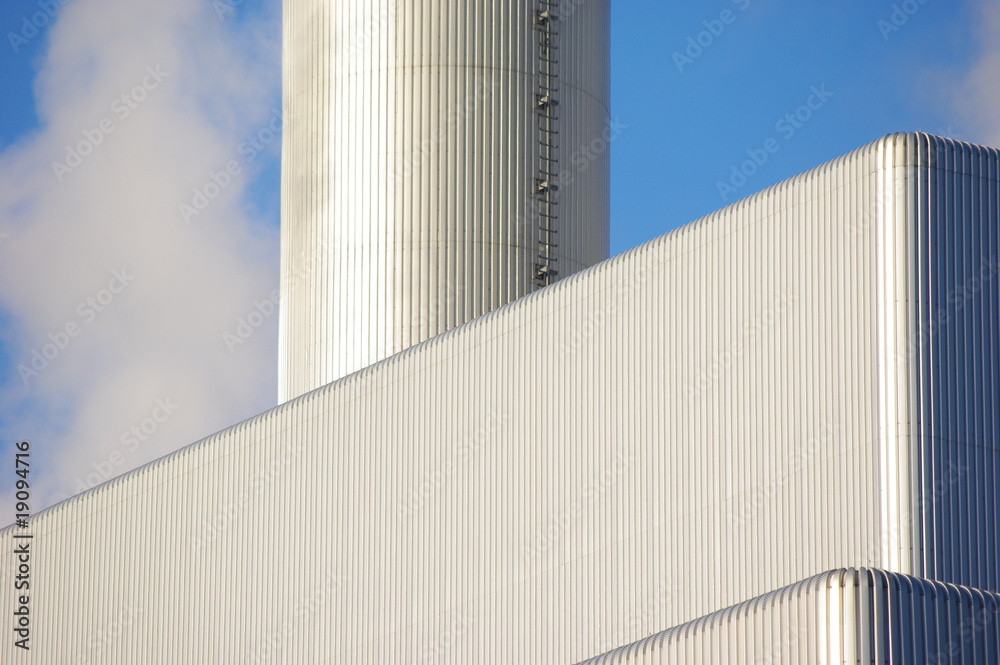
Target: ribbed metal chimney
[441,158]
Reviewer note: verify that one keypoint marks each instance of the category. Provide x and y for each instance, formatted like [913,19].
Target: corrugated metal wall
[691,424]
[408,174]
[843,616]
[955,348]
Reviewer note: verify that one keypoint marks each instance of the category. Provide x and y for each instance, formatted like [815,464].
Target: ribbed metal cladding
[955,352]
[410,165]
[843,616]
[697,422]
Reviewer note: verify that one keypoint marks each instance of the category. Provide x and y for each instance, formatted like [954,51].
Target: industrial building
[768,436]
[436,165]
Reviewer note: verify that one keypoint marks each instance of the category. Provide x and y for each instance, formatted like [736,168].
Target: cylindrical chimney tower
[441,158]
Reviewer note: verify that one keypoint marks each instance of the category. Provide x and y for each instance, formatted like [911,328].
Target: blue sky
[688,128]
[701,87]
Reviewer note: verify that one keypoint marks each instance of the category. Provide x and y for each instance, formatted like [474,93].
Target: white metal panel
[680,428]
[410,157]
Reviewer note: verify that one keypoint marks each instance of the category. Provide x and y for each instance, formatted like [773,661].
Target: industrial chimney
[441,158]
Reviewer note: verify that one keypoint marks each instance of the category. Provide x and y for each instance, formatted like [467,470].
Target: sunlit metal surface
[412,153]
[697,422]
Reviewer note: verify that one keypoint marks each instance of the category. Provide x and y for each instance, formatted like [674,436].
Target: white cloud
[977,95]
[139,104]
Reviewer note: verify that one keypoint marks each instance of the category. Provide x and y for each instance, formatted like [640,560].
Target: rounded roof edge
[894,583]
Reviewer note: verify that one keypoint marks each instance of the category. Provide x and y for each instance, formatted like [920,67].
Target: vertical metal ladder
[546,103]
